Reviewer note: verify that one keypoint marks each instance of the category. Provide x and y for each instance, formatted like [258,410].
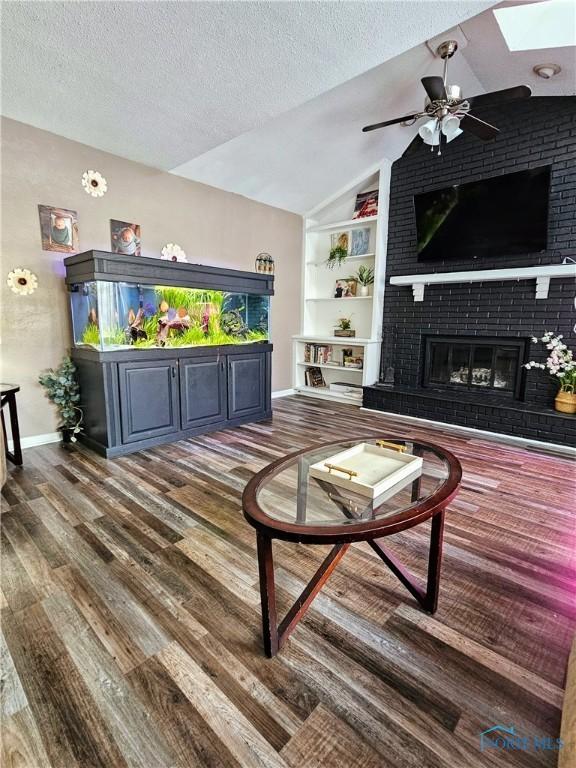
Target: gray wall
[214,227]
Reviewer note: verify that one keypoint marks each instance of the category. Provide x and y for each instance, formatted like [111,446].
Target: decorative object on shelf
[125,238]
[59,229]
[345,388]
[344,328]
[264,264]
[366,204]
[94,183]
[360,242]
[62,389]
[345,289]
[365,278]
[353,361]
[173,252]
[561,365]
[22,281]
[338,249]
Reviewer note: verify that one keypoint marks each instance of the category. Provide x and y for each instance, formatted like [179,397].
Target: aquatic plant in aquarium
[108,315]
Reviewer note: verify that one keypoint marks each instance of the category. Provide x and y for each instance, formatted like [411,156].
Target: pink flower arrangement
[559,363]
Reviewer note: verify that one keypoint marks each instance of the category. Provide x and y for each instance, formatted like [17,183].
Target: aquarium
[117,315]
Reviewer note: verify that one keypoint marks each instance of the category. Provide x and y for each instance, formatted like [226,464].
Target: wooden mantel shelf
[541,274]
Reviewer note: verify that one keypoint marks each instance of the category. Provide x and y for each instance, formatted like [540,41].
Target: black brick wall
[539,131]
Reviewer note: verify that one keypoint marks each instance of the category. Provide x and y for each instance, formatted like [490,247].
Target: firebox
[474,364]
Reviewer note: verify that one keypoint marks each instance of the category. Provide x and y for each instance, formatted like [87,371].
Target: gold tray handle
[350,472]
[393,446]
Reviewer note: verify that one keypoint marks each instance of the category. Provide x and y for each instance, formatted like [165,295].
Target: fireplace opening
[474,364]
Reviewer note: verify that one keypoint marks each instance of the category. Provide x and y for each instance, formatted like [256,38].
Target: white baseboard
[522,442]
[283,393]
[35,440]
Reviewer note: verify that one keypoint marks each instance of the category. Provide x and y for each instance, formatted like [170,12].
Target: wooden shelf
[362,257]
[349,224]
[350,341]
[341,299]
[330,367]
[326,394]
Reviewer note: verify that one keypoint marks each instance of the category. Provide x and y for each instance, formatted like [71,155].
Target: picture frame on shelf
[345,289]
[366,204]
[125,237]
[360,242]
[339,247]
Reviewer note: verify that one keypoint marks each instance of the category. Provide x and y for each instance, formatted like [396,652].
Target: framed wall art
[59,229]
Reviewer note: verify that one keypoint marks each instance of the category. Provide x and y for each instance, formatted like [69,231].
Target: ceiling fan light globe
[450,124]
[454,92]
[429,133]
[457,132]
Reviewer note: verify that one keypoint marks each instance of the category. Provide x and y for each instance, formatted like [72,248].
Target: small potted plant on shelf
[344,328]
[365,278]
[561,365]
[62,389]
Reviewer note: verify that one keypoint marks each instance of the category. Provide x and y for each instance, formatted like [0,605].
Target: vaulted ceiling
[266,99]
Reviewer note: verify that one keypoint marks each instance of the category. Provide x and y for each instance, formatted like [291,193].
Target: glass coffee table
[283,501]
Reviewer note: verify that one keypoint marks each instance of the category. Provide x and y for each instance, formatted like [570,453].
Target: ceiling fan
[447,112]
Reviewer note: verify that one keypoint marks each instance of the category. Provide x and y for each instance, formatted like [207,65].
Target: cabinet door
[246,384]
[202,391]
[149,399]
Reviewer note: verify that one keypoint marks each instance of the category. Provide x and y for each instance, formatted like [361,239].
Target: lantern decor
[265,264]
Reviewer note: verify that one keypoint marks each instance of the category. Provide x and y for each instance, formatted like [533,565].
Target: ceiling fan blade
[434,87]
[499,97]
[478,127]
[390,122]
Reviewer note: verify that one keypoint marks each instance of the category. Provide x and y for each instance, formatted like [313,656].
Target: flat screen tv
[502,216]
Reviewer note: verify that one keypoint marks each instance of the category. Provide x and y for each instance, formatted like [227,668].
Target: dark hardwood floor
[131,615]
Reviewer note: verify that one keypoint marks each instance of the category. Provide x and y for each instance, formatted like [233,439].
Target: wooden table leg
[274,634]
[14,456]
[267,595]
[427,598]
[434,563]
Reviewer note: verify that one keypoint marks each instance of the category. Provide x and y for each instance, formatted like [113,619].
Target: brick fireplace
[453,351]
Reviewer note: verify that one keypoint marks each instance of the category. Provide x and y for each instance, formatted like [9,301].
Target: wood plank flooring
[131,616]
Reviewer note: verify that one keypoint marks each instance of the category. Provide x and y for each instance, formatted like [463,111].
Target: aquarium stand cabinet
[144,398]
[137,397]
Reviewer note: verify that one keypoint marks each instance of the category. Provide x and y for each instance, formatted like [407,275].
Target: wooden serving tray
[367,469]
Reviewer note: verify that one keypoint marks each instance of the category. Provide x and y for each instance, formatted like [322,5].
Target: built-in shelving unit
[321,309]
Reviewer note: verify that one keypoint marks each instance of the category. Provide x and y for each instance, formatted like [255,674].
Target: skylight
[527,27]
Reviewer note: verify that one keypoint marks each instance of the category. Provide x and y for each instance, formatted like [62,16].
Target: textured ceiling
[163,82]
[261,98]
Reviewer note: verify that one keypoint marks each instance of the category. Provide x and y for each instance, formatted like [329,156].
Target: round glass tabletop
[352,482]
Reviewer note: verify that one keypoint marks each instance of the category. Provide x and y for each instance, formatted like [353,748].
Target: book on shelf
[314,377]
[322,354]
[344,387]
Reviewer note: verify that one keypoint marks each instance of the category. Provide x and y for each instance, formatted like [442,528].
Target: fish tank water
[109,316]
